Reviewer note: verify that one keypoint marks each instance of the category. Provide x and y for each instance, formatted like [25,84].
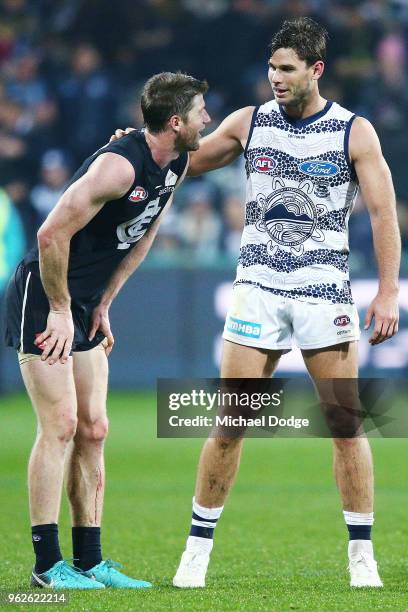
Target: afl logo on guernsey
[138,194]
[316,167]
[263,163]
[342,320]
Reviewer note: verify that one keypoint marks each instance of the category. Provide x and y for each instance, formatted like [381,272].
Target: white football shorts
[262,319]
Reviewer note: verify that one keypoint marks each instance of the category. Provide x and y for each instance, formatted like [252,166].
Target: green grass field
[281,542]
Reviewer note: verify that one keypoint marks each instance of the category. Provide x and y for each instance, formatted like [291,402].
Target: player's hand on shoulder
[56,340]
[100,322]
[384,310]
[119,133]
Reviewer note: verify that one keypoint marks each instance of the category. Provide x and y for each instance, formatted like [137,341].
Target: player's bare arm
[128,265]
[108,178]
[219,148]
[224,145]
[377,189]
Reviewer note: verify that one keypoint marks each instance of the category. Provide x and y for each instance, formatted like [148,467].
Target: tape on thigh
[26,357]
[102,345]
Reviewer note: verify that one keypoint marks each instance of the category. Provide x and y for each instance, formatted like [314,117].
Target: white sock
[199,544]
[358,518]
[364,519]
[207,513]
[205,520]
[355,547]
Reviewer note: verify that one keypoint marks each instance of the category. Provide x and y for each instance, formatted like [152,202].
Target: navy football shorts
[27,310]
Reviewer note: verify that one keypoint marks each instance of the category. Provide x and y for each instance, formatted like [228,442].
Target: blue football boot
[62,576]
[106,573]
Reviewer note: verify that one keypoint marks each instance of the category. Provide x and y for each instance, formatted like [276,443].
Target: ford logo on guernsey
[316,167]
[138,194]
[342,320]
[264,163]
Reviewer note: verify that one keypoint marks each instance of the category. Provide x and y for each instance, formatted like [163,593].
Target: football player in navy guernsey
[306,158]
[57,319]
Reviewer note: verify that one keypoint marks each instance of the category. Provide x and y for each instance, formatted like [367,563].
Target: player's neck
[306,108]
[161,147]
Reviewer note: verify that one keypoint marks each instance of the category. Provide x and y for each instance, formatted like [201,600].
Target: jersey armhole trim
[126,156]
[183,174]
[347,148]
[251,129]
[23,312]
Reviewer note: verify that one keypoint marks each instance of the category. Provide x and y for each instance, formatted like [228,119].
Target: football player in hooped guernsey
[57,319]
[306,157]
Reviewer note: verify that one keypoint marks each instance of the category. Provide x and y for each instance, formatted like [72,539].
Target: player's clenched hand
[56,340]
[100,321]
[384,309]
[120,133]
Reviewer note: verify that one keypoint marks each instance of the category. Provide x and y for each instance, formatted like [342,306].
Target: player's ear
[318,69]
[175,122]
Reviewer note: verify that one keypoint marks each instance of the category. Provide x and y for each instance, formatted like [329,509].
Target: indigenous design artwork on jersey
[328,292]
[301,188]
[329,168]
[274,118]
[290,216]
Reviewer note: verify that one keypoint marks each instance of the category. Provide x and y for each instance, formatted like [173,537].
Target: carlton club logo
[138,194]
[342,321]
[264,163]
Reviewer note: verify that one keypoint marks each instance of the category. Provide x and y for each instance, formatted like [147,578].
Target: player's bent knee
[62,429]
[225,443]
[344,420]
[68,428]
[93,431]
[346,444]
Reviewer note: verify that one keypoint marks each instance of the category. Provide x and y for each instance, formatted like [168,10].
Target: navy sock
[86,545]
[359,524]
[46,546]
[359,532]
[205,529]
[204,521]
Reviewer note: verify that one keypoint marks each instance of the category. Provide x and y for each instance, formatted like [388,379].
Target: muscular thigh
[326,366]
[50,387]
[338,361]
[240,361]
[91,383]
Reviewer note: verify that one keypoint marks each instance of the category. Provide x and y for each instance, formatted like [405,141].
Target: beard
[299,96]
[189,141]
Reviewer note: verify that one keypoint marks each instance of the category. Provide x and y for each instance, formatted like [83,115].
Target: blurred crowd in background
[71,71]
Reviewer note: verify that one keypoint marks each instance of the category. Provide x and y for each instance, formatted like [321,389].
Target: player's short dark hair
[305,36]
[167,94]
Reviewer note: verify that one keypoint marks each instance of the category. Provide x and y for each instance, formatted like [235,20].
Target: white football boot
[362,565]
[194,563]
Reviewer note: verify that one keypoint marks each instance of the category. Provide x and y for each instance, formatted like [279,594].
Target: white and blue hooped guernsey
[301,188]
